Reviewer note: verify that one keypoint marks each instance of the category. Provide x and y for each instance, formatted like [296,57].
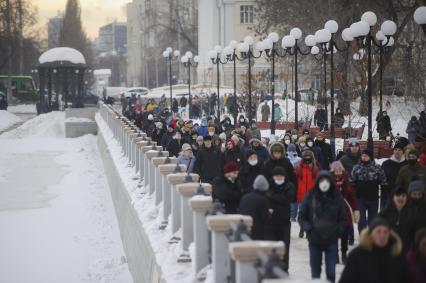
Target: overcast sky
[95,13]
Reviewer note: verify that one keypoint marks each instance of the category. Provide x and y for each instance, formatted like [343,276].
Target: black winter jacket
[208,164]
[228,193]
[391,168]
[255,204]
[247,175]
[284,163]
[280,199]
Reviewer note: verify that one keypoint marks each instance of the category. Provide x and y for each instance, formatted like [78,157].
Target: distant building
[112,37]
[54,27]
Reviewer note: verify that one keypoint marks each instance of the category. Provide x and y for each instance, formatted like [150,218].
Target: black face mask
[307,160]
[412,162]
[365,162]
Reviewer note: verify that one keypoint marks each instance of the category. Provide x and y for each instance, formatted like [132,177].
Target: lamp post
[231,56]
[189,62]
[361,32]
[420,17]
[169,55]
[381,39]
[290,44]
[215,55]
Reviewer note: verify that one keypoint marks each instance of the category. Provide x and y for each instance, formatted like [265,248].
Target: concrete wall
[140,256]
[88,112]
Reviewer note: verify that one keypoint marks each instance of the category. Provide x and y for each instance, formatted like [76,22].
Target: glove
[356,216]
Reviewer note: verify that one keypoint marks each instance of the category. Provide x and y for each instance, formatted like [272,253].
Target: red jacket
[422,159]
[348,194]
[306,175]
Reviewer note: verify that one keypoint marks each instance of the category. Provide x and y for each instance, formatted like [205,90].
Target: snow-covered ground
[22,108]
[7,120]
[56,213]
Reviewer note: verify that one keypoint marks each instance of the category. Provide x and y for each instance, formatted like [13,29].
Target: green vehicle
[23,87]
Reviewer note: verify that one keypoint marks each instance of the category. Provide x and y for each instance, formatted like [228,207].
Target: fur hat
[186,146]
[277,147]
[291,147]
[376,222]
[260,184]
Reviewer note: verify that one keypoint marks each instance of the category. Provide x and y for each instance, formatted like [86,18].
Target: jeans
[315,260]
[367,211]
[294,209]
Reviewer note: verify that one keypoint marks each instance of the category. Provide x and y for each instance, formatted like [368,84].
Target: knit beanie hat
[416,186]
[369,153]
[278,171]
[260,184]
[376,222]
[398,145]
[230,167]
[211,129]
[186,146]
[291,147]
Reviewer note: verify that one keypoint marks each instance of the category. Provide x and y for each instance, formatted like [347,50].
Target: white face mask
[279,182]
[302,144]
[310,144]
[287,142]
[211,133]
[252,162]
[324,185]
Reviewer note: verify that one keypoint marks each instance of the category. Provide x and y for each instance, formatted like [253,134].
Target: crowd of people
[297,179]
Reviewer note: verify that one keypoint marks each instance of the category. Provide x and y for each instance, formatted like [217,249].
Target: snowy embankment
[56,209]
[7,120]
[22,109]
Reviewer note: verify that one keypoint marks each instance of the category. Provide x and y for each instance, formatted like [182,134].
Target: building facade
[112,37]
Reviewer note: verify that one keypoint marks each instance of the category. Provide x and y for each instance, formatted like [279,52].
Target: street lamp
[420,17]
[189,61]
[290,44]
[361,32]
[215,56]
[169,55]
[246,50]
[231,56]
[381,38]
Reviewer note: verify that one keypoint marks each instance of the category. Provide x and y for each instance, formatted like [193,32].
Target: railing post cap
[179,178]
[247,250]
[200,203]
[167,169]
[157,161]
[189,189]
[222,223]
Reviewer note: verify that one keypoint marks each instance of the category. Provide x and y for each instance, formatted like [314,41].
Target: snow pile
[23,109]
[62,54]
[50,125]
[78,120]
[7,120]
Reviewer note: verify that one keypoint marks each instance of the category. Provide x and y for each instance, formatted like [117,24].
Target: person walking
[416,258]
[367,177]
[413,129]
[227,188]
[278,158]
[322,215]
[384,127]
[255,204]
[252,168]
[281,194]
[208,161]
[187,158]
[265,111]
[412,169]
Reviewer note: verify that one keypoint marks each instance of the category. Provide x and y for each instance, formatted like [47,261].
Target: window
[246,14]
[316,82]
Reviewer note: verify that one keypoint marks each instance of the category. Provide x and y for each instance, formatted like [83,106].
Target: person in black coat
[175,145]
[281,194]
[401,218]
[250,170]
[339,119]
[326,152]
[208,162]
[3,102]
[158,132]
[233,153]
[167,137]
[227,188]
[383,125]
[391,168]
[278,158]
[320,118]
[378,258]
[255,204]
[322,215]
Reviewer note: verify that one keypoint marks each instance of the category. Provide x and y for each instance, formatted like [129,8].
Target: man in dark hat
[352,155]
[391,168]
[227,188]
[412,169]
[208,162]
[367,177]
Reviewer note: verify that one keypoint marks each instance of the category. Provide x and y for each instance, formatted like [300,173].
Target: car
[135,90]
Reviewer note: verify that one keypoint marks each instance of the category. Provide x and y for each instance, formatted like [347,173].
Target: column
[156,162]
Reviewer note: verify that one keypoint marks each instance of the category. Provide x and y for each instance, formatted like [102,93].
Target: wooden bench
[381,149]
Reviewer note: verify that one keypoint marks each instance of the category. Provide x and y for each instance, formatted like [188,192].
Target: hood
[395,243]
[325,174]
[277,147]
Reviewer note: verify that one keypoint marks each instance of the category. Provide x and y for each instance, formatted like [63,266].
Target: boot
[301,233]
[343,257]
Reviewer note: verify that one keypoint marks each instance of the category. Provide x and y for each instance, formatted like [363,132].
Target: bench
[381,149]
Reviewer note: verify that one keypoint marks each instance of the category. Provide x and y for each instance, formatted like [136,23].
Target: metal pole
[235,91]
[249,84]
[370,99]
[381,78]
[332,130]
[296,89]
[170,81]
[273,93]
[189,90]
[218,89]
[325,86]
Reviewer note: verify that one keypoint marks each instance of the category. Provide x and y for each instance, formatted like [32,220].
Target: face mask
[279,182]
[211,133]
[253,162]
[310,144]
[324,186]
[302,144]
[287,142]
[365,162]
[241,120]
[294,137]
[231,178]
[307,160]
[412,162]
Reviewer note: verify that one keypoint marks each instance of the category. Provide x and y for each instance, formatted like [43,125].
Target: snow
[7,120]
[45,125]
[62,54]
[56,209]
[78,120]
[22,109]
[102,72]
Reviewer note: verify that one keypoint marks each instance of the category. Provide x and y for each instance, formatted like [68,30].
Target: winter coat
[284,162]
[322,215]
[422,122]
[403,222]
[383,125]
[236,154]
[278,114]
[413,129]
[280,199]
[189,162]
[262,153]
[339,120]
[255,204]
[166,139]
[175,105]
[306,175]
[367,178]
[265,111]
[320,117]
[174,147]
[349,161]
[247,175]
[208,164]
[228,193]
[370,264]
[157,135]
[417,271]
[348,193]
[326,154]
[203,131]
[183,101]
[391,168]
[407,172]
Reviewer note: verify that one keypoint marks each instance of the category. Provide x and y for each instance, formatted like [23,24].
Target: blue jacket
[203,131]
[188,161]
